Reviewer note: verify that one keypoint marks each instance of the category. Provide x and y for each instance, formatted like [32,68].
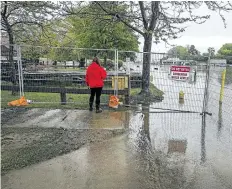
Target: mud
[24,142]
[22,147]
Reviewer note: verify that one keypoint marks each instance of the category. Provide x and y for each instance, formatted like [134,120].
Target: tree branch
[143,13]
[26,22]
[11,10]
[155,15]
[120,19]
[5,9]
[132,27]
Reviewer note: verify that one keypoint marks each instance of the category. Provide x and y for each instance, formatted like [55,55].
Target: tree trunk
[11,51]
[146,64]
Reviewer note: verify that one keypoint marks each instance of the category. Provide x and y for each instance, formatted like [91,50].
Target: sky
[210,34]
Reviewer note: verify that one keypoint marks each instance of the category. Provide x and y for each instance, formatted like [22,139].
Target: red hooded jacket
[95,75]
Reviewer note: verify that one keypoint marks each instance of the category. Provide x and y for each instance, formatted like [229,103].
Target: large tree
[226,52]
[211,51]
[83,32]
[178,51]
[153,20]
[88,34]
[192,50]
[16,15]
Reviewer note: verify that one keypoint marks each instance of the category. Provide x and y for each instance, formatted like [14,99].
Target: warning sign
[180,72]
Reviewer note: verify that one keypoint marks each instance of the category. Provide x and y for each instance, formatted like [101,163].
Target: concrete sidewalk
[69,119]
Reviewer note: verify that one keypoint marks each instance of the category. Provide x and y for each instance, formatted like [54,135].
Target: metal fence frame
[116,71]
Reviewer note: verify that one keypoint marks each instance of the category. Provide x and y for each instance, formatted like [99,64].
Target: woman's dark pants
[94,91]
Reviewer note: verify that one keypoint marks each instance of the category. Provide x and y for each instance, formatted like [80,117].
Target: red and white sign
[180,72]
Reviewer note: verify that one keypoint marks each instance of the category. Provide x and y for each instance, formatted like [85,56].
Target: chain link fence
[220,100]
[11,72]
[170,77]
[178,83]
[47,70]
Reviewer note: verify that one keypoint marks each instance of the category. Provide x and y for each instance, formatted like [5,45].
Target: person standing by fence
[94,78]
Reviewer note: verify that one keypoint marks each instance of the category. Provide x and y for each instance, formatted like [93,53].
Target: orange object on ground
[20,102]
[114,101]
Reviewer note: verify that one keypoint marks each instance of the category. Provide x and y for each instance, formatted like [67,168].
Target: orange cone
[114,101]
[20,102]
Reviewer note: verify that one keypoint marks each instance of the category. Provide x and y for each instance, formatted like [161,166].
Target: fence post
[205,101]
[63,96]
[116,73]
[19,70]
[62,90]
[127,96]
[222,86]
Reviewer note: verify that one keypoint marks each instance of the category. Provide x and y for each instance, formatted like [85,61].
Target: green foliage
[120,63]
[109,64]
[226,49]
[192,50]
[187,53]
[87,33]
[226,52]
[84,32]
[179,51]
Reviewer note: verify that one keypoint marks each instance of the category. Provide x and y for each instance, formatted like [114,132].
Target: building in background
[218,62]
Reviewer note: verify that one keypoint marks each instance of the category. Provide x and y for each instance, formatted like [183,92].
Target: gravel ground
[22,146]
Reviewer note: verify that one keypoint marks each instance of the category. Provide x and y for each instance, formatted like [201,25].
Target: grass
[153,89]
[74,101]
[155,95]
[51,100]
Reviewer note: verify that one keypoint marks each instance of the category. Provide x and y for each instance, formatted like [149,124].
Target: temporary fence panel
[220,100]
[11,73]
[171,75]
[45,70]
[50,69]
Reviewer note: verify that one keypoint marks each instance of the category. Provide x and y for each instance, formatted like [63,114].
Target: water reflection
[165,170]
[220,122]
[177,146]
[203,150]
[146,125]
[109,120]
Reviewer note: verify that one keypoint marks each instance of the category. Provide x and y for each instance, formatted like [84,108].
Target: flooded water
[168,150]
[156,151]
[193,91]
[69,119]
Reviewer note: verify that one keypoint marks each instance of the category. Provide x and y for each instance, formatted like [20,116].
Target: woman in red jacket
[95,75]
